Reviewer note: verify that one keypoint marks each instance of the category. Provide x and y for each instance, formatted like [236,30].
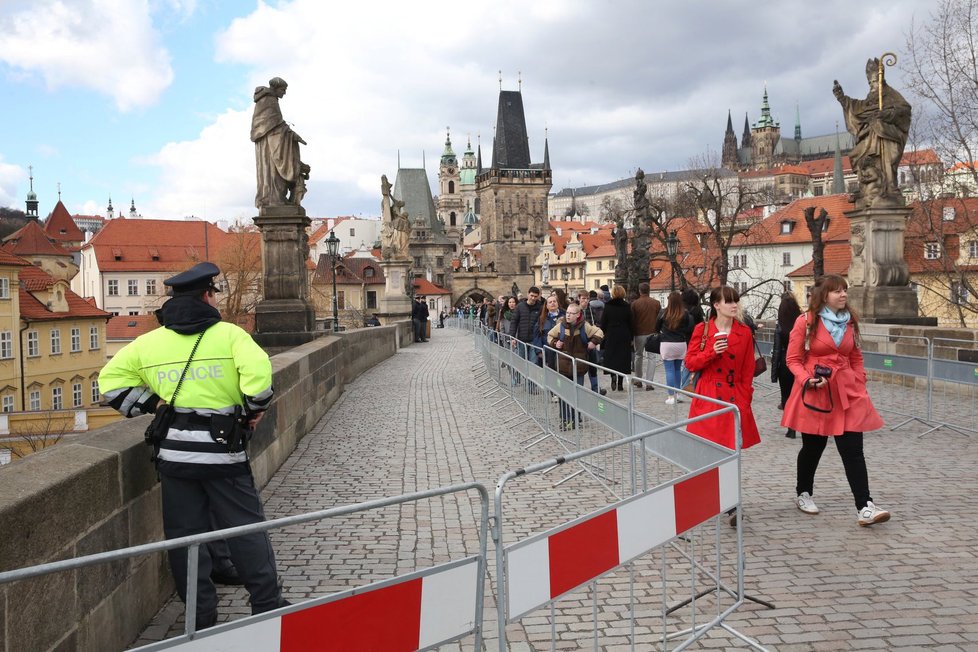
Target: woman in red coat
[726,366]
[829,398]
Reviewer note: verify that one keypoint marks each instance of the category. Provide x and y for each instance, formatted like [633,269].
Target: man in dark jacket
[419,315]
[645,313]
[525,321]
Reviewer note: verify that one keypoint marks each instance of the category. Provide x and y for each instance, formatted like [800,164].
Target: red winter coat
[736,363]
[852,411]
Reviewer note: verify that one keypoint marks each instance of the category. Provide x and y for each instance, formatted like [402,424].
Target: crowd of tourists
[816,360]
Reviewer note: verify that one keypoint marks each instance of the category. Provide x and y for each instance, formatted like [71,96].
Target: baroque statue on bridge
[880,125]
[281,174]
[395,231]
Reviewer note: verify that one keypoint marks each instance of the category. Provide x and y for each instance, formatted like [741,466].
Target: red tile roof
[768,230]
[920,157]
[31,240]
[425,287]
[7,258]
[350,270]
[131,327]
[323,229]
[837,256]
[157,245]
[61,228]
[34,279]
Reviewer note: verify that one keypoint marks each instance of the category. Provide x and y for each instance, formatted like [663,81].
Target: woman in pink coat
[726,366]
[829,398]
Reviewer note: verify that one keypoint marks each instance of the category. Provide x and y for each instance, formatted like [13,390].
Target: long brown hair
[824,285]
[788,312]
[675,312]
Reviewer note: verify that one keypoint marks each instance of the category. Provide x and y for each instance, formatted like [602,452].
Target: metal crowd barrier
[418,610]
[953,385]
[669,488]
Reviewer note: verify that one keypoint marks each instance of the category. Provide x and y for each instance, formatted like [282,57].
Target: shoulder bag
[760,364]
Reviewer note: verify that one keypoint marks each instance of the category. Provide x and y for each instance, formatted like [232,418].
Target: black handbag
[162,420]
[653,343]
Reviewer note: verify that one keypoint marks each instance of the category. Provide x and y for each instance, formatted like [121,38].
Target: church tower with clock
[451,208]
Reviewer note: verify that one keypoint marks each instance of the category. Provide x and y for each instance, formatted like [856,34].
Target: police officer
[201,478]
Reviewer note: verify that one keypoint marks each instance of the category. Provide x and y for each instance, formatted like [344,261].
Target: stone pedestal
[285,307]
[879,279]
[396,304]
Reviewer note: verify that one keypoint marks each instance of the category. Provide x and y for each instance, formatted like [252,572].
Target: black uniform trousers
[188,507]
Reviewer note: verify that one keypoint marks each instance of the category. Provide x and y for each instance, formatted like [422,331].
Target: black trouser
[786,380]
[850,445]
[187,509]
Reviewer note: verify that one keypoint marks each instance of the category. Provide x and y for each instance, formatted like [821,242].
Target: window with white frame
[113,287]
[75,340]
[959,293]
[786,227]
[93,337]
[57,398]
[6,345]
[932,251]
[973,249]
[8,403]
[597,283]
[96,396]
[55,341]
[133,286]
[33,347]
[151,287]
[76,395]
[740,286]
[948,213]
[34,399]
[4,287]
[786,258]
[598,263]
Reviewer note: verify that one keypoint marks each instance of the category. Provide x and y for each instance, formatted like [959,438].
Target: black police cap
[198,278]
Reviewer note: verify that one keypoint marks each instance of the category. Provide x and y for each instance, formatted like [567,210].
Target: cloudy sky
[151,100]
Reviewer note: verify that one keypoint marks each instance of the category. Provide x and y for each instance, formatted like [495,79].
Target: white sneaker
[872,514]
[671,400]
[806,503]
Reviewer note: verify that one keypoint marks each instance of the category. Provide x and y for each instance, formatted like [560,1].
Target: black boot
[790,434]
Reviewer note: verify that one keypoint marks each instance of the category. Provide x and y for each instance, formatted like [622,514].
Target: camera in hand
[823,372]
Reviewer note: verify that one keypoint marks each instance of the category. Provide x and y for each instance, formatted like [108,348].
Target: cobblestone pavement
[419,421]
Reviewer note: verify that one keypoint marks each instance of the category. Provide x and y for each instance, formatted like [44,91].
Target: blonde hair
[618,292]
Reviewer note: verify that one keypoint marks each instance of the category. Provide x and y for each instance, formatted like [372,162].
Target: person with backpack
[829,399]
[573,337]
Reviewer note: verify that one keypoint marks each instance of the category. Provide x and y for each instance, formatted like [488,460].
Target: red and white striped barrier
[403,614]
[552,563]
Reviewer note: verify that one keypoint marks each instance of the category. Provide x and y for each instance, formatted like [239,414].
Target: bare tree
[241,266]
[34,435]
[719,199]
[942,70]
[816,226]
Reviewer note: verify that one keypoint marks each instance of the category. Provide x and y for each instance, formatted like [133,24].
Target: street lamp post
[565,274]
[333,251]
[672,247]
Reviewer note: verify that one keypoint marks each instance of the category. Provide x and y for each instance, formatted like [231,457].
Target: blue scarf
[835,324]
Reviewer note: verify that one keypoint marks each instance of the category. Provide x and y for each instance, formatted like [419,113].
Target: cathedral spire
[765,120]
[746,140]
[797,122]
[729,157]
[546,150]
[838,182]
